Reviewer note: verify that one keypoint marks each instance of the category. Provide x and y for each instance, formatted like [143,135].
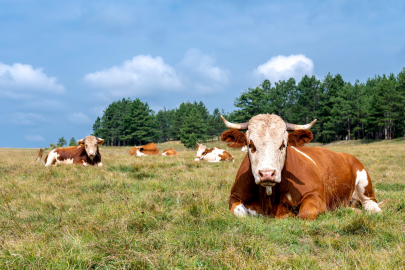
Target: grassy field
[172,213]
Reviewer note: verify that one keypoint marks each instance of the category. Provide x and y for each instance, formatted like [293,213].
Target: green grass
[172,213]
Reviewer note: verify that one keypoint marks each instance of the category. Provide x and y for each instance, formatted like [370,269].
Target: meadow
[172,213]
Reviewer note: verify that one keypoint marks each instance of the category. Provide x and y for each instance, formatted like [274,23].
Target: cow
[169,152]
[281,177]
[215,154]
[87,153]
[147,150]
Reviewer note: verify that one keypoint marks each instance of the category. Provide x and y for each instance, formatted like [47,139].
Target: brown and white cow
[281,177]
[215,154]
[87,153]
[147,150]
[169,152]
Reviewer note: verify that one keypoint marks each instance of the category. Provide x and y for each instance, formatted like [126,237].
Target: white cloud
[17,80]
[198,72]
[144,75]
[139,76]
[284,67]
[25,119]
[34,138]
[79,118]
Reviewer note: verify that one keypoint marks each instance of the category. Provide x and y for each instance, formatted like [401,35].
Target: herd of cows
[279,176]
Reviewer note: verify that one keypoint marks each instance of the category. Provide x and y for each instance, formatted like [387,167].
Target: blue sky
[63,62]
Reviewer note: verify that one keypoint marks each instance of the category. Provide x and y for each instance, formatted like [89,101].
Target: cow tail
[39,157]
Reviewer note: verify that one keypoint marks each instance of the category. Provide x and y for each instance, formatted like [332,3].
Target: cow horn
[291,127]
[241,126]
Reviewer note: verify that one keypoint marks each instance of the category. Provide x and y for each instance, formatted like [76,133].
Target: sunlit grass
[171,212]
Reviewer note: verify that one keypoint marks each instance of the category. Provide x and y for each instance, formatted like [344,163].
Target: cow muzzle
[267,177]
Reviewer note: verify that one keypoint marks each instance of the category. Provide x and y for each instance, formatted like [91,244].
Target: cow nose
[267,175]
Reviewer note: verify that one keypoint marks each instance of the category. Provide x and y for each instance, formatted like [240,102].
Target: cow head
[200,149]
[91,144]
[266,138]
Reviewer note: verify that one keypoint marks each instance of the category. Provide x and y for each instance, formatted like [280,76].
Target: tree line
[370,110]
[132,122]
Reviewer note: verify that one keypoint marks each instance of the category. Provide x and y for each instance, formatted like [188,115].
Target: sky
[63,62]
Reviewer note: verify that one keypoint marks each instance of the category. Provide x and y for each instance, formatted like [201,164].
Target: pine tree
[140,123]
[193,127]
[61,142]
[72,142]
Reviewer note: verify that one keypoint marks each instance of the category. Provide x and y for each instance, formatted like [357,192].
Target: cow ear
[237,138]
[100,141]
[81,142]
[299,137]
[196,147]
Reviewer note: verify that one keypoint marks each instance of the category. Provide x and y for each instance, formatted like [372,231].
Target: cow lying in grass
[87,153]
[147,150]
[215,154]
[169,152]
[281,177]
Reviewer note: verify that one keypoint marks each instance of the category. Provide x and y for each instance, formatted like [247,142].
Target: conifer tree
[61,142]
[72,142]
[193,127]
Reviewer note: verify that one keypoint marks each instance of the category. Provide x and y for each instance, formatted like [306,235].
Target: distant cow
[148,150]
[281,177]
[86,153]
[215,154]
[169,152]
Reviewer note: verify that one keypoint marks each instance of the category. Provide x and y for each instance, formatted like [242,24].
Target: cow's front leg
[240,209]
[311,207]
[282,211]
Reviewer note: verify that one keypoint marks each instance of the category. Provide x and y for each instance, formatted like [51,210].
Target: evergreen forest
[345,111]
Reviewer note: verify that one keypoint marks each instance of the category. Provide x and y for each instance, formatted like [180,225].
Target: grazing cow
[148,150]
[169,152]
[281,177]
[86,153]
[215,154]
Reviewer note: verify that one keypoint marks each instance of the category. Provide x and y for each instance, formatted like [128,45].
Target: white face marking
[361,183]
[200,150]
[268,134]
[303,154]
[91,144]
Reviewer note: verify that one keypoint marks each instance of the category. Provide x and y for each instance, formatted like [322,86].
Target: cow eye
[282,146]
[252,146]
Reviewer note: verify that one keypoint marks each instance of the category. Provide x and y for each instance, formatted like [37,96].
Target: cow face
[200,150]
[266,139]
[91,144]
